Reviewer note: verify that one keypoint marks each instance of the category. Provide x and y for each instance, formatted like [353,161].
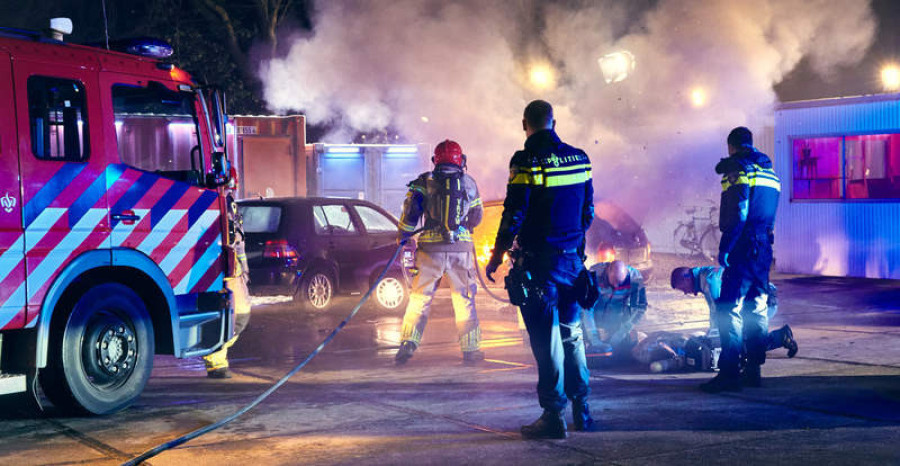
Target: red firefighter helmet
[449,152]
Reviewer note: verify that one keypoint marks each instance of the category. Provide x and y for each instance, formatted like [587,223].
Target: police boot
[550,425]
[473,357]
[404,353]
[788,341]
[581,413]
[752,376]
[722,383]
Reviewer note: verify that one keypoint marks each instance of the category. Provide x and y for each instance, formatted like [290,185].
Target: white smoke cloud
[464,65]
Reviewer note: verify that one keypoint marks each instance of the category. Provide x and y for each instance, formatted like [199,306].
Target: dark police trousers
[742,311]
[553,319]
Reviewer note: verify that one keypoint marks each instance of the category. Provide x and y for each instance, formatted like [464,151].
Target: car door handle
[128,217]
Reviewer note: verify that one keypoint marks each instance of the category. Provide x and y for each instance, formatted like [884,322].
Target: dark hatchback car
[316,248]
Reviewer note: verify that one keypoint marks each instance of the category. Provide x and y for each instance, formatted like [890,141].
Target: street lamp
[890,78]
[616,66]
[541,76]
[698,97]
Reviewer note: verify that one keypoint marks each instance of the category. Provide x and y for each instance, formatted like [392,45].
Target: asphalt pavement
[836,402]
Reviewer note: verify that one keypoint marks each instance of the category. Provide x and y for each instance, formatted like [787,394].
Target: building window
[58,119]
[873,166]
[817,168]
[847,167]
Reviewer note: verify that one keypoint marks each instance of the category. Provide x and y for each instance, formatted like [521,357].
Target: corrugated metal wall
[856,238]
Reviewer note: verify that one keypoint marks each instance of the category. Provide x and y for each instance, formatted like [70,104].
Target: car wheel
[101,356]
[391,293]
[316,291]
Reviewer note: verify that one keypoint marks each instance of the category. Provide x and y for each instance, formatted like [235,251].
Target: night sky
[862,78]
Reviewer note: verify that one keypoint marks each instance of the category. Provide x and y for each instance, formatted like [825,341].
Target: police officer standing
[448,202]
[548,208]
[750,191]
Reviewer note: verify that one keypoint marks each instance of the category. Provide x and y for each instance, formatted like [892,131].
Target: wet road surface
[837,402]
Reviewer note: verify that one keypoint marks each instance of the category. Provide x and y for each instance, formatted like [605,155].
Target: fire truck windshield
[156,129]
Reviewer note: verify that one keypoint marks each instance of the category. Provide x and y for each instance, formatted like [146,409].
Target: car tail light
[279,249]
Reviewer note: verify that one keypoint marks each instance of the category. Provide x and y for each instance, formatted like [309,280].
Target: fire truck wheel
[391,293]
[100,358]
[316,291]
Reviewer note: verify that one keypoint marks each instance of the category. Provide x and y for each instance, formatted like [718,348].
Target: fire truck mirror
[220,170]
[217,104]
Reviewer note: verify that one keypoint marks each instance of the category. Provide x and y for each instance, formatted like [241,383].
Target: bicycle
[694,239]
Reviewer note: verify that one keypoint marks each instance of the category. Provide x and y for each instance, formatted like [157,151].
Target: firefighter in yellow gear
[217,363]
[447,201]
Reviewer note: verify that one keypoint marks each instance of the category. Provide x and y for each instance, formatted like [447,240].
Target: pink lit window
[872,166]
[817,168]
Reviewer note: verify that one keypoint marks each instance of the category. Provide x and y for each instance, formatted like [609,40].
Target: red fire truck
[114,228]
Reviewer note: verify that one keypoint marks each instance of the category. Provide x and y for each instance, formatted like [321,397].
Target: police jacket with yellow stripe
[750,191]
[422,203]
[549,197]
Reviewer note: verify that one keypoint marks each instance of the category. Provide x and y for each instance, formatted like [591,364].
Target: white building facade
[839,161]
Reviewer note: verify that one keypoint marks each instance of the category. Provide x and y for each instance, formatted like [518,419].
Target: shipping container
[270,155]
[273,159]
[377,173]
[839,161]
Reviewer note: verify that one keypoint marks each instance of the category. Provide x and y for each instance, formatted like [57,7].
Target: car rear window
[375,221]
[260,218]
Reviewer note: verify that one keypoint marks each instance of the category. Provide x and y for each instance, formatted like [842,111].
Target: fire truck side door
[63,166]
[12,245]
[171,219]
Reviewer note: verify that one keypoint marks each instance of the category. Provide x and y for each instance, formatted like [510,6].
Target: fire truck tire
[102,355]
[316,291]
[391,293]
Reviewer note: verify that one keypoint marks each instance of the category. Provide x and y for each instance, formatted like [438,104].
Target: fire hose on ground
[204,430]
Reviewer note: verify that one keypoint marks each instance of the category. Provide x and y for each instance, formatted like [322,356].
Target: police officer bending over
[750,191]
[548,207]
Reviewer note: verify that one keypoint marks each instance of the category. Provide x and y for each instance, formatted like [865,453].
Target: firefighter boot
[220,373]
[581,413]
[789,341]
[550,425]
[404,353]
[752,376]
[722,383]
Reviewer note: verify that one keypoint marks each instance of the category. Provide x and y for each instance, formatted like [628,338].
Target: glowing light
[425,119]
[402,150]
[698,97]
[542,76]
[342,150]
[616,66]
[890,78]
[181,125]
